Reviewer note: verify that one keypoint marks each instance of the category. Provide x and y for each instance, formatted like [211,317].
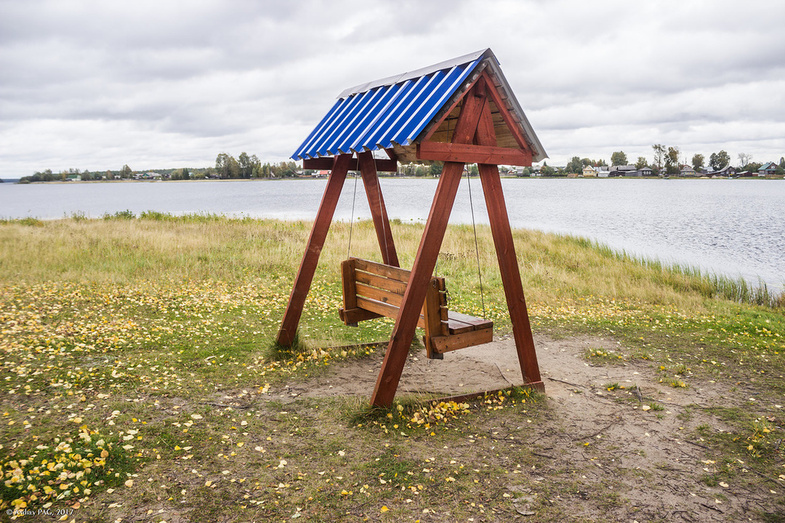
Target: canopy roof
[399,111]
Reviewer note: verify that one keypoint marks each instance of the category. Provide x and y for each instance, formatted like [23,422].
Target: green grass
[160,328]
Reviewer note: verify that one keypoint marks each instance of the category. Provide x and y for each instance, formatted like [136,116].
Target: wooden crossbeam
[326,163]
[467,153]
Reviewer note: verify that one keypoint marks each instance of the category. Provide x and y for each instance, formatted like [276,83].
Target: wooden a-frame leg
[378,210]
[508,261]
[321,226]
[511,276]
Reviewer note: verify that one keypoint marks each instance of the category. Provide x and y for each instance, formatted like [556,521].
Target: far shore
[15,181]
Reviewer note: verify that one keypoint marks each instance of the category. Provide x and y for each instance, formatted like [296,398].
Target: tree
[181,174]
[546,170]
[718,161]
[574,166]
[672,161]
[753,167]
[244,163]
[659,155]
[641,163]
[744,159]
[125,172]
[256,167]
[436,168]
[697,162]
[227,166]
[618,158]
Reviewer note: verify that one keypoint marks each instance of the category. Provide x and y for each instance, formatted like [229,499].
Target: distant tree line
[665,161]
[226,167]
[668,160]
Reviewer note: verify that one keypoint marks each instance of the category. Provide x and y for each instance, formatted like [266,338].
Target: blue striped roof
[396,110]
[373,116]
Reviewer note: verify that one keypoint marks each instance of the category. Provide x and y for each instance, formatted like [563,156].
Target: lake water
[732,227]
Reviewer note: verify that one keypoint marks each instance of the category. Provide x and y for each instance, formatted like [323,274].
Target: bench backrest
[373,289]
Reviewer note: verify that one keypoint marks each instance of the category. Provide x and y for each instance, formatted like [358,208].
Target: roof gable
[398,112]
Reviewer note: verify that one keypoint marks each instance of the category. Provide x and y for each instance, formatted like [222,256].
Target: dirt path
[637,445]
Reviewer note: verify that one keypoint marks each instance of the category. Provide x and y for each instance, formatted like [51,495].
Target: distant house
[725,171]
[623,170]
[151,175]
[687,170]
[645,171]
[767,169]
[74,177]
[590,171]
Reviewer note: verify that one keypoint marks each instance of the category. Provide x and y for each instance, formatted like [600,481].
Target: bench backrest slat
[382,295]
[393,273]
[380,282]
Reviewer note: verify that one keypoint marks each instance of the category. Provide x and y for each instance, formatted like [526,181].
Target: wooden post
[425,261]
[508,261]
[378,210]
[321,226]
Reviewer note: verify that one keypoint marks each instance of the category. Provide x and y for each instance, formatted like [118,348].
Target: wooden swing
[372,290]
[458,112]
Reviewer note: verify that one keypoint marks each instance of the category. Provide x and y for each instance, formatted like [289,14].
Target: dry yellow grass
[553,268]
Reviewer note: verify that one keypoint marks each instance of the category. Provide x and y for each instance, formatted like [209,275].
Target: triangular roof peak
[399,111]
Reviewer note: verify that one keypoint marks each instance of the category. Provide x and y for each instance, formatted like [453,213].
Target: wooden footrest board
[452,342]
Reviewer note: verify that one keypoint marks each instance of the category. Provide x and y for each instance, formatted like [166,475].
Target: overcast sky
[98,84]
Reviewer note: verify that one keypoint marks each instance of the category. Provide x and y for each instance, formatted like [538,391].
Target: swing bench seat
[373,290]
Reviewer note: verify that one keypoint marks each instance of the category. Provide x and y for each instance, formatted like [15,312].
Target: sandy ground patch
[650,460]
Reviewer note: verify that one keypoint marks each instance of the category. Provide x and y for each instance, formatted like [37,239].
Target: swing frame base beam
[537,386]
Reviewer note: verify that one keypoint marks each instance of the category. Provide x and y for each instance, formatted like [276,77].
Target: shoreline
[15,181]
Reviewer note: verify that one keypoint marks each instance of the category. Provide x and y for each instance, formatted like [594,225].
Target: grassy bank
[137,385]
